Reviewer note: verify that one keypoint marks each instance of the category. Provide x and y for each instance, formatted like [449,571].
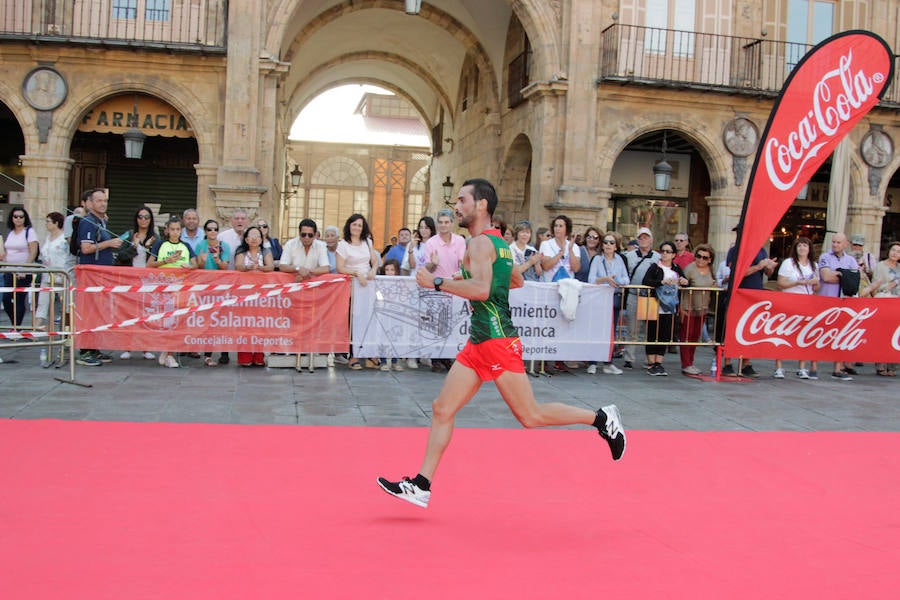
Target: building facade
[566,105]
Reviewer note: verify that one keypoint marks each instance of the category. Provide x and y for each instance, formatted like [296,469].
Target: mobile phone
[529,253]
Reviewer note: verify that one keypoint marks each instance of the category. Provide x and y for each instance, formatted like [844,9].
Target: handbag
[647,308]
[849,282]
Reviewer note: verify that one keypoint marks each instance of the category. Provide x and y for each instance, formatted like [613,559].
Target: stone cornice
[545,88]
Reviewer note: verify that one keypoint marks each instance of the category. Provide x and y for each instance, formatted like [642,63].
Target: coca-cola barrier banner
[770,324]
[315,319]
[825,96]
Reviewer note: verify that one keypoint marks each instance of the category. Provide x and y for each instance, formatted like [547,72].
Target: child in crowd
[391,268]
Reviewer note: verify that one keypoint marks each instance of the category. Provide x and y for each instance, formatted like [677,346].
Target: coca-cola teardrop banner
[826,95]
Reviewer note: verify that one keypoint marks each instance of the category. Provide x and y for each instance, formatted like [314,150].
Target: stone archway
[514,187]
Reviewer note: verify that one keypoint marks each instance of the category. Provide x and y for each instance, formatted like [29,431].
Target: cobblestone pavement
[141,390]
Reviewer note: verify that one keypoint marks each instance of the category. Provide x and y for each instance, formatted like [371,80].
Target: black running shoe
[406,490]
[613,432]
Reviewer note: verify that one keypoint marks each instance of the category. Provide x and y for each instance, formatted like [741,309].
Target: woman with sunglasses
[590,249]
[137,247]
[252,257]
[664,277]
[212,255]
[270,243]
[609,269]
[695,304]
[21,248]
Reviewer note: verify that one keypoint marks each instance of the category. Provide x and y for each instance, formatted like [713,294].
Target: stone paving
[141,390]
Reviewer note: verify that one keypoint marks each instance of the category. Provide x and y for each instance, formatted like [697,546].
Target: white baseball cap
[644,231]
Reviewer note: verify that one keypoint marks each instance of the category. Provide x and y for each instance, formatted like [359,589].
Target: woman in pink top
[21,248]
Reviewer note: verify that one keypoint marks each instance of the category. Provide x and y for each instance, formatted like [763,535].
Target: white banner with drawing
[393,317]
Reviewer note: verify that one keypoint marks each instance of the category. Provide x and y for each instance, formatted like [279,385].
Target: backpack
[74,244]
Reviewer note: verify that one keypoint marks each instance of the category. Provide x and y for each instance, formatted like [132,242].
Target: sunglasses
[307,235]
[667,251]
[263,226]
[212,228]
[702,257]
[592,237]
[144,217]
[609,241]
[18,216]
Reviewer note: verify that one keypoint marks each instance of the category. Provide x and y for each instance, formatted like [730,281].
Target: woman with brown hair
[695,304]
[798,274]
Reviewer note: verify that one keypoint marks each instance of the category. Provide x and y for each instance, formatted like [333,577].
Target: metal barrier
[702,304]
[34,294]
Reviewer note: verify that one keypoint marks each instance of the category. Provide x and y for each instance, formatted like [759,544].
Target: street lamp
[448,189]
[296,174]
[662,171]
[134,137]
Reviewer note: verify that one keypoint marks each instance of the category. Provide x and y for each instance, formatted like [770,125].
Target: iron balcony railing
[179,25]
[692,60]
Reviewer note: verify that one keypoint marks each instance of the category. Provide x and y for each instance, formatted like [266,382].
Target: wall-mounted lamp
[448,189]
[413,7]
[296,175]
[134,137]
[662,171]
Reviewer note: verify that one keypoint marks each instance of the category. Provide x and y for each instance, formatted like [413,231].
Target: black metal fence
[187,25]
[686,59]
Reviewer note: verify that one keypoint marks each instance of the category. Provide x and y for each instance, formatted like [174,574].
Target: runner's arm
[481,255]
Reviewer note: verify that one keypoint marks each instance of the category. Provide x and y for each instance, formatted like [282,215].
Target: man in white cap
[637,261]
[866,260]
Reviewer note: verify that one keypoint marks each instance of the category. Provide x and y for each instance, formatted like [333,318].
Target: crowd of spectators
[665,295]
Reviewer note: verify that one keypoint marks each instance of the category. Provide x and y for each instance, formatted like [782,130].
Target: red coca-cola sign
[826,95]
[770,324]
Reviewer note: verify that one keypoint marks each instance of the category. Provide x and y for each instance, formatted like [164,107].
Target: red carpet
[128,511]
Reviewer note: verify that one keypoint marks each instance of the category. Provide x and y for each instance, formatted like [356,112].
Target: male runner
[493,352]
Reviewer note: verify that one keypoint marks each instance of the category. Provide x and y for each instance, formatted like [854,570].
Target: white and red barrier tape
[32,289]
[279,288]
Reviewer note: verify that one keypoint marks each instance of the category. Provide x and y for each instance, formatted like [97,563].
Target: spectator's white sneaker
[412,363]
[398,366]
[170,362]
[406,490]
[125,355]
[592,370]
[691,370]
[385,366]
[779,374]
[803,374]
[149,355]
[612,369]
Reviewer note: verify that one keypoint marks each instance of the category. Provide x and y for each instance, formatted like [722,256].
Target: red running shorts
[491,358]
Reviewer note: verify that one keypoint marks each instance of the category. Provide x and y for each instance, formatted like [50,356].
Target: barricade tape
[179,287]
[279,289]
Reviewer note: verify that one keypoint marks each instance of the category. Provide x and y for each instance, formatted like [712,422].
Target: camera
[529,253]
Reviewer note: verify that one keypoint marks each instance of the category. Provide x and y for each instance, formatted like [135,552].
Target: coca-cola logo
[835,328]
[895,339]
[830,109]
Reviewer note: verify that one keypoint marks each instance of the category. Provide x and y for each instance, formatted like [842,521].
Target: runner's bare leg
[459,386]
[516,390]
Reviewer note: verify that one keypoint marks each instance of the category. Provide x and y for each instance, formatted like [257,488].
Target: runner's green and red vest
[491,318]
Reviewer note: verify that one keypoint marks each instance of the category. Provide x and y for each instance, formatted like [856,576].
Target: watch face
[44,88]
[740,136]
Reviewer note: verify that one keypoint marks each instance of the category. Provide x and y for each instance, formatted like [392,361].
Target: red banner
[180,310]
[770,324]
[826,95]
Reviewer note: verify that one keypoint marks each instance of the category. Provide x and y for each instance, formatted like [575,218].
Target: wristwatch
[438,282]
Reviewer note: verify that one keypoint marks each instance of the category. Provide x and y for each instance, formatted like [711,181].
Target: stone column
[547,102]
[867,221]
[724,214]
[46,187]
[238,182]
[206,202]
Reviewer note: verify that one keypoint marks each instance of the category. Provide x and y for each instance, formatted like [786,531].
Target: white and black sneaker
[406,490]
[613,431]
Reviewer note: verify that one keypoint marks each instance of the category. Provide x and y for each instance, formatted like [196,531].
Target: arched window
[338,188]
[415,203]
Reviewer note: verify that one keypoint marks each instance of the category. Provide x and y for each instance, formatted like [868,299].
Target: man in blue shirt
[398,250]
[98,246]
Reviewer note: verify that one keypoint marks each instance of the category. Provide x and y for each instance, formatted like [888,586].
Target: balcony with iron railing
[632,54]
[169,25]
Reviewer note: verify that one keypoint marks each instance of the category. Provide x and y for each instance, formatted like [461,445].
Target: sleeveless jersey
[491,318]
